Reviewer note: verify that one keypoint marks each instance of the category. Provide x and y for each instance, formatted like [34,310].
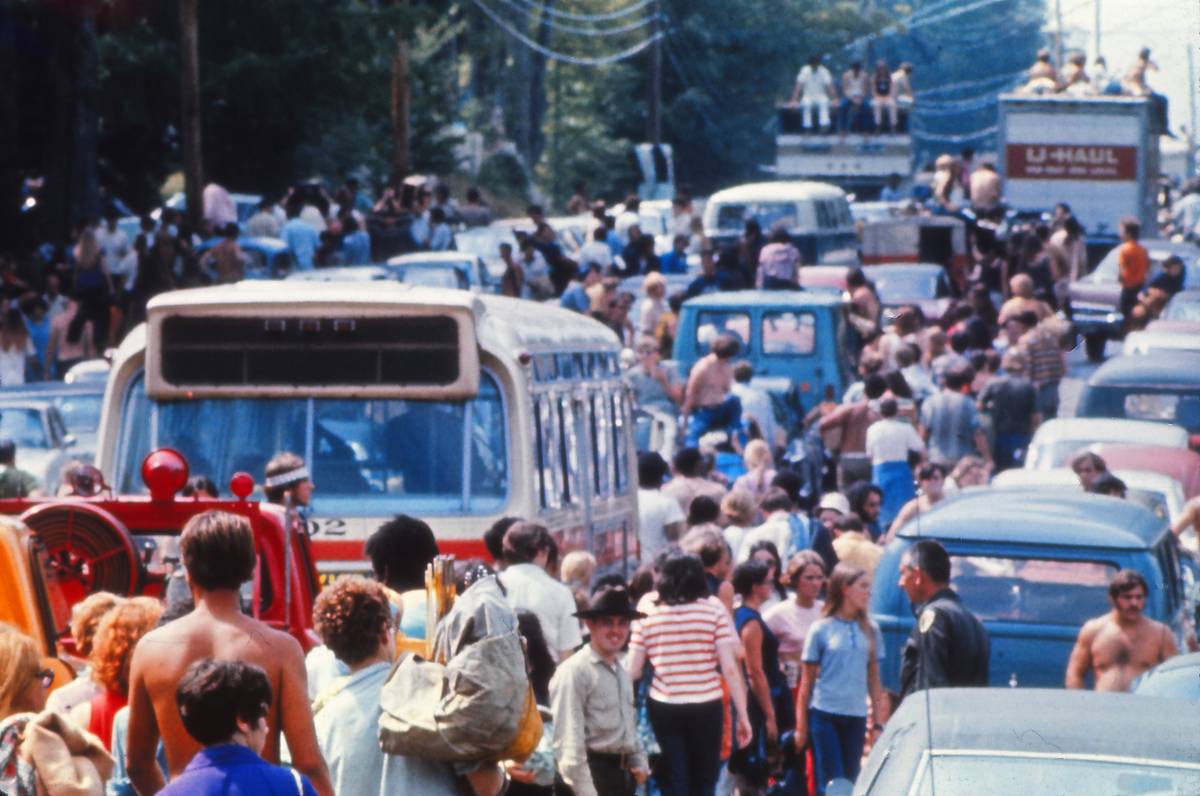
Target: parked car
[443,269]
[796,340]
[924,285]
[1160,493]
[1176,679]
[1183,306]
[266,258]
[825,278]
[1164,336]
[77,405]
[1034,565]
[1003,741]
[1162,386]
[1181,464]
[1057,440]
[43,443]
[1095,297]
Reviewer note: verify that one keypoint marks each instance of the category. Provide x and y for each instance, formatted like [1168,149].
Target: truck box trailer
[1098,154]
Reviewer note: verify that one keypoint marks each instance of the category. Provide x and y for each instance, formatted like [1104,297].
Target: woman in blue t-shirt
[841,666]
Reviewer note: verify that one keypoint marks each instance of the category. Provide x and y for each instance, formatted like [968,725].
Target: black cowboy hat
[610,601]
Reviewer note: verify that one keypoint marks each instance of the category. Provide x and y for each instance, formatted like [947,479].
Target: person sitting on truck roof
[1134,82]
[883,97]
[902,91]
[814,89]
[1043,77]
[985,190]
[856,85]
[1075,78]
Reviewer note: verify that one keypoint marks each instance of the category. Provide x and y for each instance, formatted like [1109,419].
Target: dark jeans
[1010,449]
[724,416]
[837,743]
[1127,301]
[609,777]
[690,737]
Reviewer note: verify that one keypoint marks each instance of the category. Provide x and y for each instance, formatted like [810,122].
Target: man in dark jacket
[948,645]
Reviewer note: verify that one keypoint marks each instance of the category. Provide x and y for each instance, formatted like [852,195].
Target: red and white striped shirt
[681,643]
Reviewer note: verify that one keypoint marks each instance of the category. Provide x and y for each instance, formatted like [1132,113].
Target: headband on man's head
[287,477]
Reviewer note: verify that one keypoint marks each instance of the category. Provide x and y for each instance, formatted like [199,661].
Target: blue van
[815,214]
[1034,565]
[797,341]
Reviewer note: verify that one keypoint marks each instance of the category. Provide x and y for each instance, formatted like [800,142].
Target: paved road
[1078,371]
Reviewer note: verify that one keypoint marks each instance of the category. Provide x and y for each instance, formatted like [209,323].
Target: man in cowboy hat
[591,697]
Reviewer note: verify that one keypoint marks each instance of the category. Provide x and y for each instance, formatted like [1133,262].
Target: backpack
[474,701]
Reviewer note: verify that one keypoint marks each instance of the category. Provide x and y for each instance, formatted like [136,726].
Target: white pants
[877,106]
[822,104]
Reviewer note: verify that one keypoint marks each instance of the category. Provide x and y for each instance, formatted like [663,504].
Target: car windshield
[711,325]
[368,458]
[24,427]
[1163,405]
[901,286]
[1183,309]
[1034,590]
[430,275]
[732,217]
[984,775]
[80,413]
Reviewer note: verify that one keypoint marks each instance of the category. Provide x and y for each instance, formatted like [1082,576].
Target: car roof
[1029,515]
[919,268]
[423,258]
[1064,721]
[1113,429]
[51,389]
[766,298]
[1154,369]
[782,191]
[1189,661]
[1061,477]
[1182,464]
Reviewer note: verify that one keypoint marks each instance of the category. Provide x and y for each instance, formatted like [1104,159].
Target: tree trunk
[400,108]
[193,163]
[537,88]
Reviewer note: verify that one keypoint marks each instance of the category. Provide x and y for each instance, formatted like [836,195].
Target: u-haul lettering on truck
[1070,162]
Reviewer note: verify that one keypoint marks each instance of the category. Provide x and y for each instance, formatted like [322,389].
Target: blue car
[798,341]
[266,258]
[1161,386]
[1034,565]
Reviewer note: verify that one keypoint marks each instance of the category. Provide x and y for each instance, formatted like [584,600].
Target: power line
[606,17]
[545,18]
[605,60]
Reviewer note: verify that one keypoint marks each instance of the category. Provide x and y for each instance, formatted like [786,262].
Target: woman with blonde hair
[41,752]
[760,469]
[576,571]
[790,620]
[738,510]
[118,634]
[841,667]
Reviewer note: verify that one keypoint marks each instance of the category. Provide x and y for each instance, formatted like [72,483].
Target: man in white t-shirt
[629,217]
[113,240]
[777,528]
[660,519]
[890,441]
[527,549]
[814,88]
[597,251]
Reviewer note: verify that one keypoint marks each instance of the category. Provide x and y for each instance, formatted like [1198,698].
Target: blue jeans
[724,416]
[1010,449]
[896,481]
[837,743]
[690,738]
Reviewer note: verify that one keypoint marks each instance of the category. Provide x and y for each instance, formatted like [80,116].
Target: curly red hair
[350,615]
[119,632]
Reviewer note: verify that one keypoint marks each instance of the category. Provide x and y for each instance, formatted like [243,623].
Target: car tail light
[1194,442]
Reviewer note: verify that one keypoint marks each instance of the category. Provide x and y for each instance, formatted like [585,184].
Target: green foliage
[503,175]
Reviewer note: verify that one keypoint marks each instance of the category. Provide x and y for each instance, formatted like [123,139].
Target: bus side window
[569,450]
[600,444]
[619,405]
[549,473]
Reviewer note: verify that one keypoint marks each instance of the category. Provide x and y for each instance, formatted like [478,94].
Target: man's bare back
[1118,653]
[163,655]
[709,382]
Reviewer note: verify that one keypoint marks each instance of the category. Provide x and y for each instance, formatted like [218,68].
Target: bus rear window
[711,325]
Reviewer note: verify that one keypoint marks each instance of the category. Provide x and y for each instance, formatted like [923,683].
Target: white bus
[445,405]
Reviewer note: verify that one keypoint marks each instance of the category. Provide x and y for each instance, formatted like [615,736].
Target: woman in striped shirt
[686,636]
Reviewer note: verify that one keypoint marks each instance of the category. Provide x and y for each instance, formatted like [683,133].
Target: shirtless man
[707,401]
[1122,644]
[218,551]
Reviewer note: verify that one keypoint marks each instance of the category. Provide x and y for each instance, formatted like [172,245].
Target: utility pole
[1191,131]
[1058,35]
[1096,31]
[400,105]
[654,120]
[193,164]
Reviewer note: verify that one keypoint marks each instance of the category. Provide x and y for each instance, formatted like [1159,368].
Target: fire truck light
[241,485]
[164,472]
